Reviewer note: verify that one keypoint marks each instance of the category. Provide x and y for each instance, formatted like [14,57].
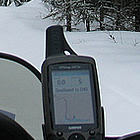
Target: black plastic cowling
[10,130]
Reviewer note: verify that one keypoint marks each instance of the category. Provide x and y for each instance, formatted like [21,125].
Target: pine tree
[8,2]
[85,12]
[118,15]
[109,14]
[61,11]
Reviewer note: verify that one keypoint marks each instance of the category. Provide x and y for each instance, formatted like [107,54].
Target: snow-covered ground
[22,33]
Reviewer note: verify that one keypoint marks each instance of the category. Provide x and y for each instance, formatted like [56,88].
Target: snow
[118,68]
[22,33]
[23,28]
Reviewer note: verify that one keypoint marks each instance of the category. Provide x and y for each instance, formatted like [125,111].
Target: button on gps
[92,132]
[59,133]
[76,137]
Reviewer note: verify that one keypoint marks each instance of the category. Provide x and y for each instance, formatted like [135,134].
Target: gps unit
[71,97]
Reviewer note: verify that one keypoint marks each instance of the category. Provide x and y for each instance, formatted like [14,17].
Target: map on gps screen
[72,97]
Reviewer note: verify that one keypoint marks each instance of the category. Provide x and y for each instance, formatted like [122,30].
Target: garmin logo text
[74,127]
[64,67]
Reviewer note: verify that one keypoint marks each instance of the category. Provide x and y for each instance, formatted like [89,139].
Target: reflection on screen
[72,97]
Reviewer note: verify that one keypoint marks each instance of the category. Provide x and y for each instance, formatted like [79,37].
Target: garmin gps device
[71,98]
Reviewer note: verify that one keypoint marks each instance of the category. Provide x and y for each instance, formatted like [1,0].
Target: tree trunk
[6,3]
[118,18]
[88,25]
[101,18]
[69,22]
[137,16]
[68,18]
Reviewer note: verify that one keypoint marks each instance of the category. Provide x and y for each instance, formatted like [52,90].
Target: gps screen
[72,97]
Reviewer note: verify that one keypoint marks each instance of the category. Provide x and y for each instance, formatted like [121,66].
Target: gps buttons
[59,133]
[92,132]
[76,136]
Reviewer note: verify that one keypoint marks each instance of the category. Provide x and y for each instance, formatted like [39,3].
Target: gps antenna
[56,43]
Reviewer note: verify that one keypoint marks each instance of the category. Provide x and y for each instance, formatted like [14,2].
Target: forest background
[93,14]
